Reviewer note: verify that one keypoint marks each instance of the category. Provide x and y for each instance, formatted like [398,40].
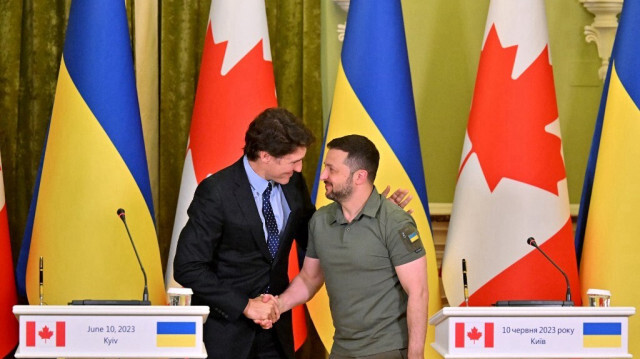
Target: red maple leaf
[226,104]
[45,333]
[508,119]
[474,334]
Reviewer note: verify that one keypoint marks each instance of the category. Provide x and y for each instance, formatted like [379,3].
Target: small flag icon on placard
[45,333]
[176,334]
[474,335]
[602,335]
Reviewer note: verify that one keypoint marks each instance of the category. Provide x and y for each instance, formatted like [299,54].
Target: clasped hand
[263,310]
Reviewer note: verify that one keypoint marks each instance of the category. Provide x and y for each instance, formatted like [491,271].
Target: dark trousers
[266,346]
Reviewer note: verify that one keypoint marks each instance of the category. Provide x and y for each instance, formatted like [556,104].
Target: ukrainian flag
[602,335]
[176,334]
[608,220]
[93,163]
[374,98]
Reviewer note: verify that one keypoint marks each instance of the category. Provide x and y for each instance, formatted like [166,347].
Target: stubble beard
[342,194]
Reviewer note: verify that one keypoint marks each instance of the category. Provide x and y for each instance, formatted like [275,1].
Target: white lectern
[532,332]
[111,331]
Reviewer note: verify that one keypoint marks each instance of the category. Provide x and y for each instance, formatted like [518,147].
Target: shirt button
[348,229]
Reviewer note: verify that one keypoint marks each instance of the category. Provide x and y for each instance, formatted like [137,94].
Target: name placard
[110,332]
[532,332]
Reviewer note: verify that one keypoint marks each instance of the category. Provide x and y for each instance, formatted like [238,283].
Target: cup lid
[180,291]
[603,292]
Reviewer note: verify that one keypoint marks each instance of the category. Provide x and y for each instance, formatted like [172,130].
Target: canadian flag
[512,183]
[45,333]
[474,335]
[236,84]
[9,296]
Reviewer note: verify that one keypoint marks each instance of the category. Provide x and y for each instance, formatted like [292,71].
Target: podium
[532,332]
[111,331]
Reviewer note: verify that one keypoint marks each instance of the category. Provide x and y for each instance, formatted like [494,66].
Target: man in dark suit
[233,251]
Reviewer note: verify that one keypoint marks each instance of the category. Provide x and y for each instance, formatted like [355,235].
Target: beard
[341,193]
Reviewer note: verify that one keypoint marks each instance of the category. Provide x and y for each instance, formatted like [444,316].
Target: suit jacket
[222,255]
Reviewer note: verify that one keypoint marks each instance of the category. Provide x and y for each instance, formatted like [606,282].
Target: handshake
[263,310]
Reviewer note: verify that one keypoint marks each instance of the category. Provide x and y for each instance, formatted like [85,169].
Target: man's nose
[323,175]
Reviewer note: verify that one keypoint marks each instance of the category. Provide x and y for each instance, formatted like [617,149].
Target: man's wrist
[415,352]
[245,312]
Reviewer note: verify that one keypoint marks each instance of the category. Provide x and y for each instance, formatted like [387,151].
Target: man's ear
[264,156]
[360,177]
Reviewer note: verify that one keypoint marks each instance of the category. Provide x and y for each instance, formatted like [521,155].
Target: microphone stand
[532,242]
[145,292]
[540,303]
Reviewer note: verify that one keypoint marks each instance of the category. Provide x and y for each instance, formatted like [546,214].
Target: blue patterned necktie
[270,222]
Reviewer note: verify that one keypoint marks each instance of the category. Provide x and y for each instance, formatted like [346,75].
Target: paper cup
[599,297]
[179,296]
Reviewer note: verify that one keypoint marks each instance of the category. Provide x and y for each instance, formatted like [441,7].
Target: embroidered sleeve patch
[411,238]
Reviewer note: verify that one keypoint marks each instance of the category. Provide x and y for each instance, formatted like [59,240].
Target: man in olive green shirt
[369,252]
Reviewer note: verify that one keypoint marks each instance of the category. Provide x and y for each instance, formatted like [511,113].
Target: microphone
[145,293]
[532,242]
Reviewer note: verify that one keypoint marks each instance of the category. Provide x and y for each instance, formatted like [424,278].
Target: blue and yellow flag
[602,335]
[374,98]
[608,228]
[176,334]
[93,163]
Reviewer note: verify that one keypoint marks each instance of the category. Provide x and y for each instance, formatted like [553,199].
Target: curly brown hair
[277,132]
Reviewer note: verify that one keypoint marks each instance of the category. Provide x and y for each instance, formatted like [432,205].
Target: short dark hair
[277,132]
[362,154]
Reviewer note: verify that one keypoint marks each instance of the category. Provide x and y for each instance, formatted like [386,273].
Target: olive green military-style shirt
[367,301]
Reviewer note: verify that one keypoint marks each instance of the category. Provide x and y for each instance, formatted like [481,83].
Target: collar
[370,209]
[257,183]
